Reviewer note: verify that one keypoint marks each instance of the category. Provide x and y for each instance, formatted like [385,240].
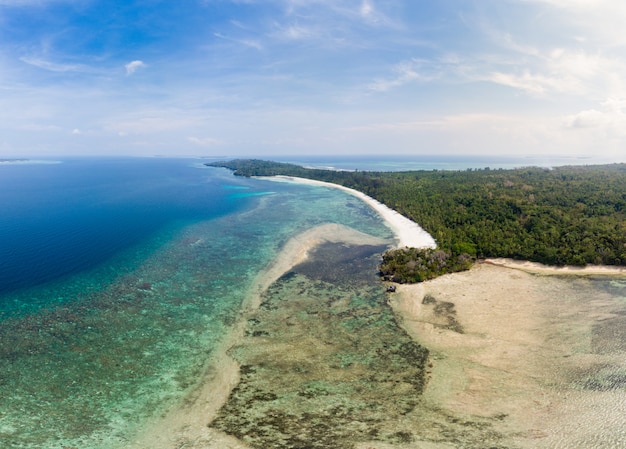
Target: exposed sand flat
[537,268]
[408,233]
[523,347]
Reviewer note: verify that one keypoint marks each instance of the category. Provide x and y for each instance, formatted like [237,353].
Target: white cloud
[133,66]
[373,16]
[610,118]
[599,22]
[586,119]
[366,10]
[534,84]
[552,50]
[297,32]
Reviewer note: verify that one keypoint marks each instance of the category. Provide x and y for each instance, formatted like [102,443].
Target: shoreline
[499,366]
[410,234]
[407,232]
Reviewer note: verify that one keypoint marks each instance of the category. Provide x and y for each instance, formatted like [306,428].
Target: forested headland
[571,215]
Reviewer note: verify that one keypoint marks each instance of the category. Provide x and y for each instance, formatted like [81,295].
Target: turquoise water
[118,278]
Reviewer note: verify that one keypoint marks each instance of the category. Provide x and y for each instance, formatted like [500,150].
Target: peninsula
[572,215]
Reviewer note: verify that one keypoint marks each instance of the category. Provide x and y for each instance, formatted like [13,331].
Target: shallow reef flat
[325,364]
[88,373]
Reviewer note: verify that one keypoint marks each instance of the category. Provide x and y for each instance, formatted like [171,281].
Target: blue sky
[285,77]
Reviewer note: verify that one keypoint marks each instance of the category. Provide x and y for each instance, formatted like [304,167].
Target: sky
[301,77]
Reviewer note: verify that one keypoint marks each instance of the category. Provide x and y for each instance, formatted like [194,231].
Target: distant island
[27,162]
[571,215]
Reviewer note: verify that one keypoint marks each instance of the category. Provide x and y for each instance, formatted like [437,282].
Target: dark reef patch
[340,263]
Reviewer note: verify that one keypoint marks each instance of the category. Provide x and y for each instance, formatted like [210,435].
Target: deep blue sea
[60,219]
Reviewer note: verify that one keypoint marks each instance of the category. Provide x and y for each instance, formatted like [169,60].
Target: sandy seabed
[512,343]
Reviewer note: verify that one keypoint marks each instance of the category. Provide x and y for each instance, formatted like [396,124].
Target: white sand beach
[408,233]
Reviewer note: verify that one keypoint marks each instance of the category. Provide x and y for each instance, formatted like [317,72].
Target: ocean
[120,278]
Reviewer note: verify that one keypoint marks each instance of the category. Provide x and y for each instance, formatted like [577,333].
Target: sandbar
[407,232]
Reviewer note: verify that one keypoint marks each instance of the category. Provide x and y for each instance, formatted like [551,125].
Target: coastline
[407,232]
[502,359]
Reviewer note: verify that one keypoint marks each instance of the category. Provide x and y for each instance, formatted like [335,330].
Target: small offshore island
[503,354]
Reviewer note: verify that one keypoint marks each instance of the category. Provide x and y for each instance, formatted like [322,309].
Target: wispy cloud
[404,72]
[372,15]
[527,82]
[294,32]
[54,66]
[447,68]
[245,42]
[133,66]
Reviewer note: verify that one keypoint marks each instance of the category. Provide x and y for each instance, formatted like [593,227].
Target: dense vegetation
[408,265]
[573,215]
